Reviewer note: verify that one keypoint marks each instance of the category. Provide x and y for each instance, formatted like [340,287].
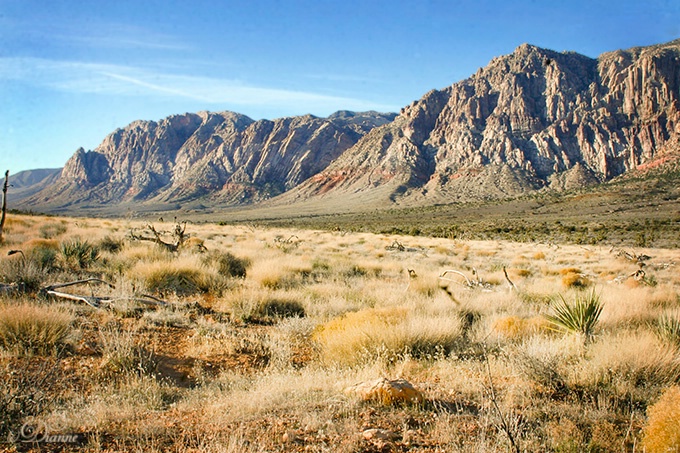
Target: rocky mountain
[220,158]
[530,120]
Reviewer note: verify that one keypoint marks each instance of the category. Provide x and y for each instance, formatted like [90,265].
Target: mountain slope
[529,120]
[220,158]
[28,182]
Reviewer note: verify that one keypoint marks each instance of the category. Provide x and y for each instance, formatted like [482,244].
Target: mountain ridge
[532,120]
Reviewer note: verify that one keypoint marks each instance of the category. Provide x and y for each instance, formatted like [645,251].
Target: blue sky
[73,71]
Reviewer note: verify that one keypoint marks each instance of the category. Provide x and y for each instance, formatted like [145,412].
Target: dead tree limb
[510,283]
[92,301]
[640,260]
[396,245]
[97,301]
[4,205]
[442,276]
[179,233]
[77,282]
[472,284]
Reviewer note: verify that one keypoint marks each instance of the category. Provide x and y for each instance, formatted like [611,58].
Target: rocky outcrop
[530,120]
[218,157]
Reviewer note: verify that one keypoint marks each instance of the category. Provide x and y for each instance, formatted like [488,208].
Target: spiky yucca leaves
[78,254]
[668,329]
[580,317]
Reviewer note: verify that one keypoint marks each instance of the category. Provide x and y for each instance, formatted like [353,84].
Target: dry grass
[387,333]
[662,432]
[28,329]
[260,341]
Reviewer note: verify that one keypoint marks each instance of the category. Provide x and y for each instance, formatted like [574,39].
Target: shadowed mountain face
[531,120]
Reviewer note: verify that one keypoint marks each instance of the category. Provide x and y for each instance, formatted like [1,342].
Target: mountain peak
[532,120]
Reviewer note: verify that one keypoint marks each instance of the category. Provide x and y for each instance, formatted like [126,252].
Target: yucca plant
[668,329]
[78,254]
[580,317]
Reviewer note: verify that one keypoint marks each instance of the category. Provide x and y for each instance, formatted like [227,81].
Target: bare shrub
[123,354]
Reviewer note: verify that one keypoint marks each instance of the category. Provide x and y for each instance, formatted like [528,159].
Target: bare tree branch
[4,204]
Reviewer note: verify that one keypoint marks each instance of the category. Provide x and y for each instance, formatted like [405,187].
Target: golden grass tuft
[27,329]
[40,243]
[387,333]
[516,328]
[575,280]
[662,431]
[538,256]
[183,277]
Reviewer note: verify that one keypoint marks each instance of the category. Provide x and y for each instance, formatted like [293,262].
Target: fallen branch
[472,284]
[396,245]
[179,234]
[96,301]
[640,260]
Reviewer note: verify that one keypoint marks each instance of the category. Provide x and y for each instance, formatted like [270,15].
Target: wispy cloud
[107,79]
[121,36]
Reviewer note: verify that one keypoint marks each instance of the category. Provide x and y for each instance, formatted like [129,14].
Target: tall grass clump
[227,264]
[580,317]
[111,245]
[662,431]
[78,254]
[27,329]
[52,230]
[123,354]
[387,333]
[25,273]
[179,277]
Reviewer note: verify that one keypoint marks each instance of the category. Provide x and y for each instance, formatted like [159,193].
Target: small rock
[387,391]
[375,434]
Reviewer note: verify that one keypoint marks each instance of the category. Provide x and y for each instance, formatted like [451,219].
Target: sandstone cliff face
[222,157]
[529,120]
[532,120]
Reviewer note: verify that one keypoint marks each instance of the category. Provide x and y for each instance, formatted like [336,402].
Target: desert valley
[493,268]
